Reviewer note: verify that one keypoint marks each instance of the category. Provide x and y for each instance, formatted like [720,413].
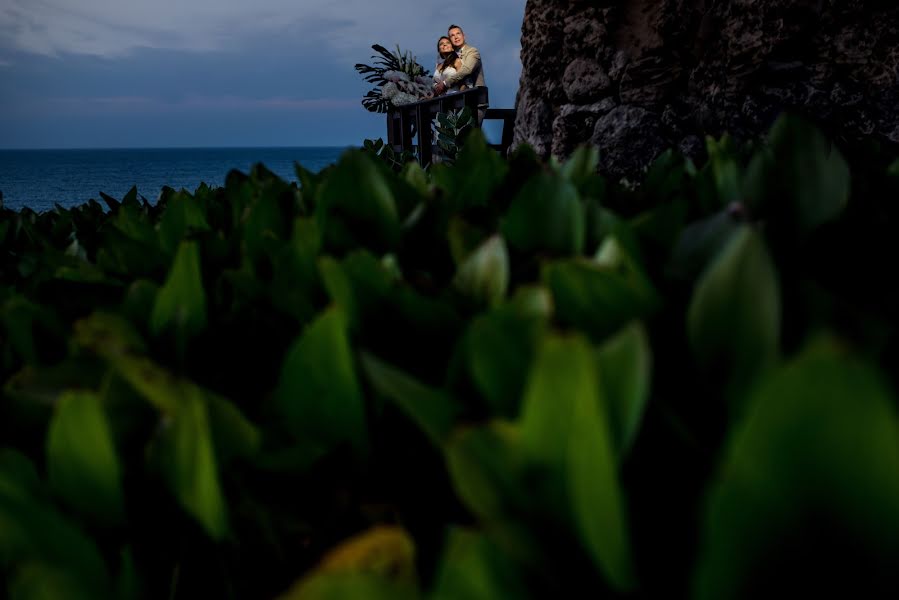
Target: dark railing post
[408,139]
[423,120]
[392,129]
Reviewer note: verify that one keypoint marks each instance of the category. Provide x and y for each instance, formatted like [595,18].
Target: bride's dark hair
[450,57]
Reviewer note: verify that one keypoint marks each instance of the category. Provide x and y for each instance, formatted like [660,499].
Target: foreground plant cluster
[497,379]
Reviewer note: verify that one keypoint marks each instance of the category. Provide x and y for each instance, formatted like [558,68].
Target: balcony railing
[410,127]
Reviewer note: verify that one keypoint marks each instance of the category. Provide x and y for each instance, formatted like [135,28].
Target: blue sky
[171,73]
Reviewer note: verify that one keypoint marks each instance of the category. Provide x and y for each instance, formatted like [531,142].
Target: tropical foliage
[450,130]
[524,382]
[398,79]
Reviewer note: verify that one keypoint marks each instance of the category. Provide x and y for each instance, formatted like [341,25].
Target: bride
[448,65]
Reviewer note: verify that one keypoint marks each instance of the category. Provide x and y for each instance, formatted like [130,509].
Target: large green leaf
[295,286]
[498,350]
[184,452]
[580,169]
[183,215]
[483,169]
[232,433]
[135,224]
[733,321]
[488,470]
[199,431]
[700,242]
[318,392]
[180,306]
[432,410]
[564,428]
[355,206]
[724,170]
[801,176]
[806,499]
[546,216]
[82,462]
[483,276]
[40,581]
[357,285]
[376,563]
[601,295]
[474,567]
[25,324]
[624,366]
[482,463]
[32,530]
[340,586]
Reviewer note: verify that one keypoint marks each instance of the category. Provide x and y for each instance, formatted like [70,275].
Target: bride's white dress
[441,75]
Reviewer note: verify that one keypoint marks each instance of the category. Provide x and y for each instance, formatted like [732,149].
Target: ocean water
[39,179]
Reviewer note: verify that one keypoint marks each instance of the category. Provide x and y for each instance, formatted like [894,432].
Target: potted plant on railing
[398,77]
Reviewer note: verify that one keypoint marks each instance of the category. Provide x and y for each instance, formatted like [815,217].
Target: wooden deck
[409,124]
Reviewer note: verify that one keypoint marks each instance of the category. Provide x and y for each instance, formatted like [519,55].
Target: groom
[471,69]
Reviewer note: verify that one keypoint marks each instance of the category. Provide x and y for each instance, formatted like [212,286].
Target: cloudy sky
[164,73]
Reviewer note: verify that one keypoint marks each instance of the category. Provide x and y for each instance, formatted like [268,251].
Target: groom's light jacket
[471,68]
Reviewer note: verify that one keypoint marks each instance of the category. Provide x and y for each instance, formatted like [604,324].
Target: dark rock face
[637,76]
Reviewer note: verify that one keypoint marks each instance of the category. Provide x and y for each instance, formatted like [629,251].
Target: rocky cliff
[636,77]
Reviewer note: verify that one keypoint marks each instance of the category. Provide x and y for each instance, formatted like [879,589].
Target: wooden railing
[409,127]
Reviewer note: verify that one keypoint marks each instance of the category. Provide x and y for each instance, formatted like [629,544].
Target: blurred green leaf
[376,563]
[355,206]
[625,373]
[108,335]
[180,306]
[564,427]
[432,410]
[184,452]
[724,169]
[602,295]
[18,477]
[357,285]
[581,166]
[474,567]
[309,184]
[25,324]
[232,433]
[82,463]
[416,177]
[318,392]
[140,297]
[546,216]
[135,225]
[183,215]
[32,530]
[484,170]
[733,321]
[39,581]
[699,243]
[807,494]
[498,350]
[893,169]
[128,583]
[340,586]
[487,468]
[800,176]
[483,276]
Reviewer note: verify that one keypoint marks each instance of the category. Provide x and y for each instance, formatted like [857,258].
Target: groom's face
[457,37]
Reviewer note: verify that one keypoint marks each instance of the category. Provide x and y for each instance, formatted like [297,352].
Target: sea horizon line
[111,148]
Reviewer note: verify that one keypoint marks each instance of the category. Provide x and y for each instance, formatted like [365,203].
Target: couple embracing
[460,65]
